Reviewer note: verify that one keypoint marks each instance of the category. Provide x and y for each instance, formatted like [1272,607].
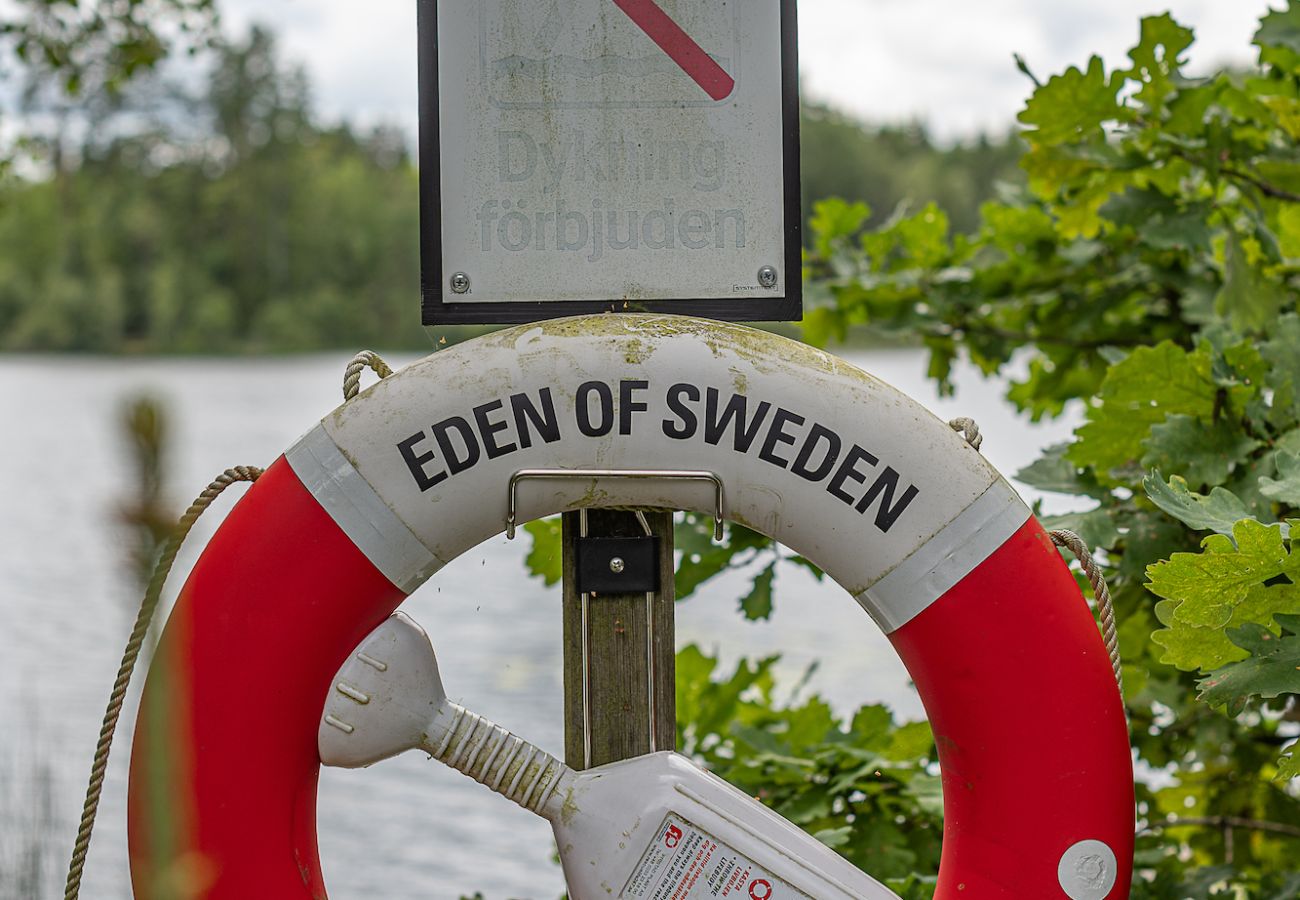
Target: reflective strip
[945,559]
[365,518]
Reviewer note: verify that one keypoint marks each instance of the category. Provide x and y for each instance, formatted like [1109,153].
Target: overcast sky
[945,62]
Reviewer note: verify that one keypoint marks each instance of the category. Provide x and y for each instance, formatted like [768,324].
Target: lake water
[406,828]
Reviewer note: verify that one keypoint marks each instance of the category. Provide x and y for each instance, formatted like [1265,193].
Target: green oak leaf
[1280,28]
[1073,105]
[1157,58]
[1187,231]
[1078,216]
[835,837]
[757,604]
[1288,764]
[1272,669]
[1282,352]
[919,241]
[1137,207]
[1287,111]
[1288,231]
[913,887]
[821,324]
[1159,221]
[1150,535]
[1202,454]
[1286,487]
[702,558]
[1054,473]
[1016,229]
[1242,369]
[697,567]
[912,740]
[1224,586]
[1250,300]
[545,558]
[1219,512]
[835,220]
[1096,527]
[927,790]
[1149,385]
[1278,37]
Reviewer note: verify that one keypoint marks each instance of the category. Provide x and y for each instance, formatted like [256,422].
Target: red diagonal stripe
[679,46]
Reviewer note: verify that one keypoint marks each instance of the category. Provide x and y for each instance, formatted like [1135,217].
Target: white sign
[609,154]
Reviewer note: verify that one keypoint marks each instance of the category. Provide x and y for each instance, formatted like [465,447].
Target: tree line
[227,218]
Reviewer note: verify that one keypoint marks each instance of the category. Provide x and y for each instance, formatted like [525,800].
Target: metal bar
[651,705]
[586,646]
[512,505]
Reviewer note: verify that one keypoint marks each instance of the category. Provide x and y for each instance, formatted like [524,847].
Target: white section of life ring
[811,451]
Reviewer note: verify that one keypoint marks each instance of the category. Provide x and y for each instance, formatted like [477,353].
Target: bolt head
[460,283]
[616,565]
[767,276]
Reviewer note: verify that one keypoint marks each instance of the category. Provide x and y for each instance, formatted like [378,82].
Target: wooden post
[618,661]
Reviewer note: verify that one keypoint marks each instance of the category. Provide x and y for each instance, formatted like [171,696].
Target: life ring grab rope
[131,655]
[366,359]
[967,427]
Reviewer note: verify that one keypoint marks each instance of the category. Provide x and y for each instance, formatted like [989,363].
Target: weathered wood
[617,629]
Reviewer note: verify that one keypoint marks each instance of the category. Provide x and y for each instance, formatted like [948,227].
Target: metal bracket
[512,505]
[586,590]
[618,565]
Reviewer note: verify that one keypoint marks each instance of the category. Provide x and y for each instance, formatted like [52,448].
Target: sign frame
[438,303]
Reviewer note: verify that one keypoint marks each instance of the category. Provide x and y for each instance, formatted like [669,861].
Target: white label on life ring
[1088,871]
[684,862]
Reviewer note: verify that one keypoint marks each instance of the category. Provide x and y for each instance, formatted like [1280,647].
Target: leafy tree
[232,222]
[1148,270]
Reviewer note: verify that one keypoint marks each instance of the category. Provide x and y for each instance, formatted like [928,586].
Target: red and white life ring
[843,469]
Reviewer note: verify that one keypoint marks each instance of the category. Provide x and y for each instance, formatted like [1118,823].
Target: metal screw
[767,277]
[616,565]
[460,283]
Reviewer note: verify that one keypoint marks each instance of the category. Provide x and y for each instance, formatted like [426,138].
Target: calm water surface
[406,828]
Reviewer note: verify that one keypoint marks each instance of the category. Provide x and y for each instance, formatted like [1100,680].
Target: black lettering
[889,512]
[776,434]
[689,422]
[547,425]
[627,405]
[816,434]
[737,407]
[455,462]
[416,463]
[488,430]
[848,470]
[606,397]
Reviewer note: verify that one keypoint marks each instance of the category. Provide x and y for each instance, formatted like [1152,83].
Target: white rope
[366,359]
[969,429]
[1105,607]
[148,606]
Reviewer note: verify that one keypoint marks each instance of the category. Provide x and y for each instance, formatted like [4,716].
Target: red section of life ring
[224,763]
[1002,660]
